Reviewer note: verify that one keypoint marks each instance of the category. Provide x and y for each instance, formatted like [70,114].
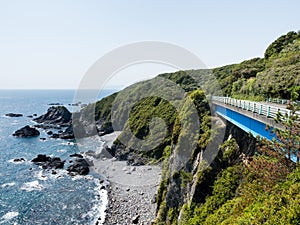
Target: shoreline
[131,190]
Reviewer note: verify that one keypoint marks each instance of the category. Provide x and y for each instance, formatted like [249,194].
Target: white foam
[9,216]
[40,175]
[8,185]
[61,150]
[68,143]
[98,210]
[32,186]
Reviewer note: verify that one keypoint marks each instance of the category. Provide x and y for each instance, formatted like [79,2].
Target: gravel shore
[131,192]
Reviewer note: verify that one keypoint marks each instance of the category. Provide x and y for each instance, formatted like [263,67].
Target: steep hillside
[231,189]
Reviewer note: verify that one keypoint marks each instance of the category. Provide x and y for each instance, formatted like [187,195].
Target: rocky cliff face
[193,182]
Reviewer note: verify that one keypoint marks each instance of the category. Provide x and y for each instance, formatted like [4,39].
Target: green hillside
[245,183]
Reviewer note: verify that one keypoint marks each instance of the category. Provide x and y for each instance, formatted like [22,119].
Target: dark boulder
[14,115]
[56,103]
[57,115]
[135,219]
[57,163]
[49,132]
[19,160]
[48,163]
[54,136]
[27,131]
[79,167]
[41,158]
[67,134]
[76,155]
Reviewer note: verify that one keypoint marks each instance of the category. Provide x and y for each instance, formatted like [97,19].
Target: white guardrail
[255,107]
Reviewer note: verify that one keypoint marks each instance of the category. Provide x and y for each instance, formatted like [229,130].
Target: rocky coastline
[131,193]
[131,190]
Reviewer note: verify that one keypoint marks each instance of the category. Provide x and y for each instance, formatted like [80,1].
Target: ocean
[29,194]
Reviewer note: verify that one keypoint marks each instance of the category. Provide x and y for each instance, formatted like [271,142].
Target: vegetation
[237,187]
[274,76]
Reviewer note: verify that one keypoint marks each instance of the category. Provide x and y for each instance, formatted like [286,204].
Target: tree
[288,139]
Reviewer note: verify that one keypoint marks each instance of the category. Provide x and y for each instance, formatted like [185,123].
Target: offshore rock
[48,163]
[79,167]
[14,115]
[56,115]
[27,131]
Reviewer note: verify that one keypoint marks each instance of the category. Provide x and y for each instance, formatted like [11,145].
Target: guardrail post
[268,111]
[254,107]
[260,109]
[244,106]
[249,106]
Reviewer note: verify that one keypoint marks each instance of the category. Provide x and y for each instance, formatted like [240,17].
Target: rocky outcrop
[56,115]
[48,163]
[14,115]
[19,160]
[56,103]
[79,167]
[67,134]
[27,131]
[76,155]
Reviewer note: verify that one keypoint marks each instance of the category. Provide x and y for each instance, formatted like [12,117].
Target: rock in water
[14,115]
[76,155]
[68,133]
[135,219]
[79,167]
[47,162]
[19,160]
[41,158]
[27,131]
[58,115]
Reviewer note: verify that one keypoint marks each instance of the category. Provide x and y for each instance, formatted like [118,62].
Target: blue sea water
[28,194]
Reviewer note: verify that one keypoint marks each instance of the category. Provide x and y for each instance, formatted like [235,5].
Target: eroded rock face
[56,115]
[27,131]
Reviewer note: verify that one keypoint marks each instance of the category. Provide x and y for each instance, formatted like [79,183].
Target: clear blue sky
[51,44]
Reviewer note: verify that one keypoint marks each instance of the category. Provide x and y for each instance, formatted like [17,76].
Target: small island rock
[14,115]
[27,131]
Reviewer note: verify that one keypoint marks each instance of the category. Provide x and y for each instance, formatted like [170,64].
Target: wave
[32,186]
[8,184]
[9,216]
[98,210]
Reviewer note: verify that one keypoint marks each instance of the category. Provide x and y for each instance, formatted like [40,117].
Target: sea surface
[29,194]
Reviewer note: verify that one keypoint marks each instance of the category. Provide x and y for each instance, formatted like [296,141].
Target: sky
[51,44]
